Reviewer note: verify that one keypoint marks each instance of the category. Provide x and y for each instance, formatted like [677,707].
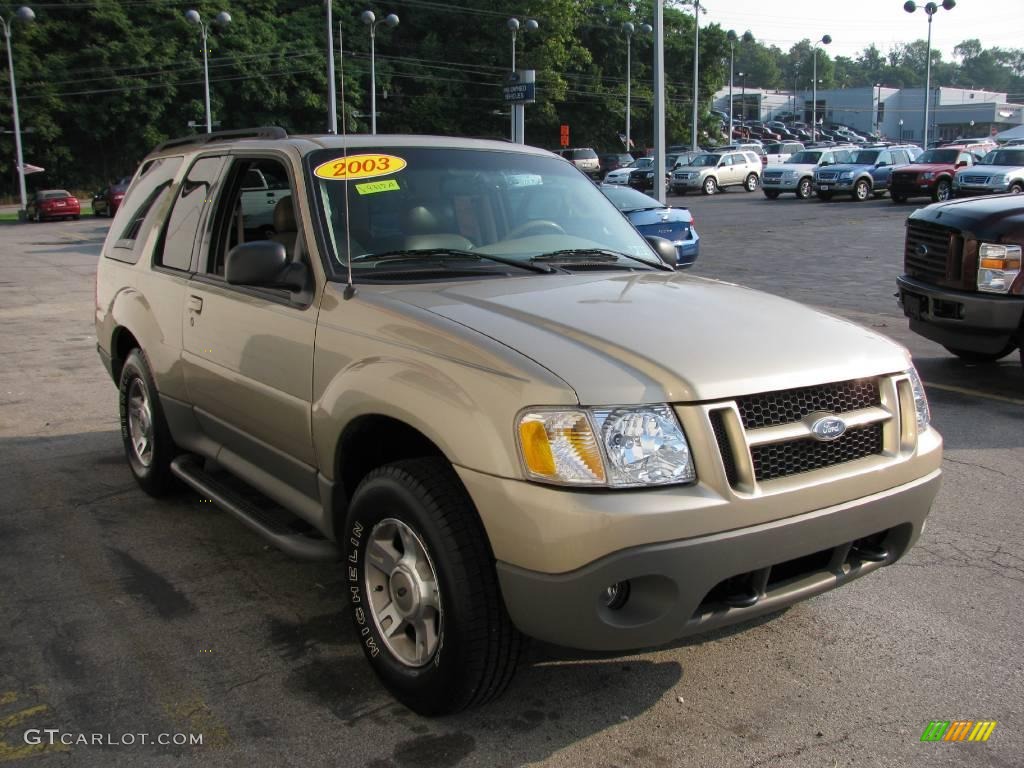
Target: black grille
[724,446]
[784,459]
[926,253]
[788,405]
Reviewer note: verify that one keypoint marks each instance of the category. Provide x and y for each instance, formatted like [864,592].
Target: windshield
[463,205]
[865,157]
[944,156]
[54,194]
[643,162]
[706,161]
[1004,157]
[773,149]
[805,158]
[627,200]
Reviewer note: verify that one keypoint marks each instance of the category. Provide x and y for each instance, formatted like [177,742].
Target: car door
[882,170]
[247,350]
[727,173]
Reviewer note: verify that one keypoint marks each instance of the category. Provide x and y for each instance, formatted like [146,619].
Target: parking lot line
[974,393]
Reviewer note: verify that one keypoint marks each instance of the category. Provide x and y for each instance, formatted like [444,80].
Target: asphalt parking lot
[126,615]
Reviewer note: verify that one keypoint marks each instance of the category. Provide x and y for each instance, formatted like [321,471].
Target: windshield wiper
[599,255]
[447,253]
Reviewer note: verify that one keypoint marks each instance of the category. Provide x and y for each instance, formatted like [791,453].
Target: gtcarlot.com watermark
[54,736]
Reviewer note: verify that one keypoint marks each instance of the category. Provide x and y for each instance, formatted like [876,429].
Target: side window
[900,156]
[826,158]
[245,214]
[179,236]
[884,157]
[965,157]
[134,217]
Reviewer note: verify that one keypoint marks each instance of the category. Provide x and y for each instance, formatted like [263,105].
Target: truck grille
[786,406]
[904,179]
[784,459]
[827,176]
[773,176]
[974,179]
[926,254]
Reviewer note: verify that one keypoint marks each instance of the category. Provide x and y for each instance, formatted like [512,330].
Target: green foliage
[101,82]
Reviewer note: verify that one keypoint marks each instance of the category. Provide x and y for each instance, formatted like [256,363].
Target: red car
[931,174]
[107,201]
[53,204]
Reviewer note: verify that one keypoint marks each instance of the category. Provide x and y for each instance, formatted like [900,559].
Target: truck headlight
[924,413]
[999,178]
[846,175]
[927,175]
[998,267]
[617,447]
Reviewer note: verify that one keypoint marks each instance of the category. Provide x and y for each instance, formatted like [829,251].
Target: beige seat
[285,226]
[423,229]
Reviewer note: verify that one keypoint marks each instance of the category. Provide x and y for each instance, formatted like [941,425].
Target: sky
[854,25]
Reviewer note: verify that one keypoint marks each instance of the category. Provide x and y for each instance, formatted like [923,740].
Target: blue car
[867,174]
[652,218]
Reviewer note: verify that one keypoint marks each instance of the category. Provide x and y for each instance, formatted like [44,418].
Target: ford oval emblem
[828,428]
[922,249]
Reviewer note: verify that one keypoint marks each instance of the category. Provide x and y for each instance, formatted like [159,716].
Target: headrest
[421,220]
[284,215]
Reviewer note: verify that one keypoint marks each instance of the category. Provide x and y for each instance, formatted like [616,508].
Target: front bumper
[782,185]
[680,588]
[921,189]
[979,322]
[967,190]
[843,186]
[696,182]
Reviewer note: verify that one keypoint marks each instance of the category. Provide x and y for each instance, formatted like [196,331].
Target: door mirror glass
[665,250]
[260,263]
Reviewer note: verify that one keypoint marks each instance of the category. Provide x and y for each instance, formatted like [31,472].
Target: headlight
[928,175]
[616,447]
[998,267]
[999,178]
[791,174]
[924,414]
[847,175]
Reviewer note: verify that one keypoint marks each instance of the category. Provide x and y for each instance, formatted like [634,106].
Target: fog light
[616,595]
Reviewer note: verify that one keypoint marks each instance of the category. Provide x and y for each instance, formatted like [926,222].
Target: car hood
[995,218]
[795,167]
[991,170]
[661,337]
[927,168]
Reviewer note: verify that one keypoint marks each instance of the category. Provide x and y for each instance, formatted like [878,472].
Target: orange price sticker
[358,167]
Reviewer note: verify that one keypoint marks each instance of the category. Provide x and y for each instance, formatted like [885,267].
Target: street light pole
[26,14]
[931,9]
[370,19]
[658,193]
[628,29]
[814,87]
[222,19]
[743,98]
[332,101]
[878,104]
[731,36]
[519,110]
[696,66]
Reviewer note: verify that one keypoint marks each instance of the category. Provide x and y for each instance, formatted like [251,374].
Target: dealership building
[893,112]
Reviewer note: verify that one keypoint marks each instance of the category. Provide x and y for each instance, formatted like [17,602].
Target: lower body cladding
[652,594]
[984,323]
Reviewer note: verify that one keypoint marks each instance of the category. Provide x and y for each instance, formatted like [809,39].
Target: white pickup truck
[797,175]
[260,194]
[781,151]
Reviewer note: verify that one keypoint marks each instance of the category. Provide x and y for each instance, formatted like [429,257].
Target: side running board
[281,528]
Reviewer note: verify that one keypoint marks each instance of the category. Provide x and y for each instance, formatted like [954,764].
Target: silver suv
[429,374]
[714,171]
[585,159]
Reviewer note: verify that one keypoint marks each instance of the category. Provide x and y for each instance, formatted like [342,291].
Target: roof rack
[263,132]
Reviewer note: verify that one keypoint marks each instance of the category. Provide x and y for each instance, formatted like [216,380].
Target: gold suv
[446,367]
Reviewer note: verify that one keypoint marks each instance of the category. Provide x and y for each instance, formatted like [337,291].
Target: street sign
[563,137]
[520,87]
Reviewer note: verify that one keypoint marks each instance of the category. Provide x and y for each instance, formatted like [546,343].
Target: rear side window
[584,154]
[139,210]
[179,235]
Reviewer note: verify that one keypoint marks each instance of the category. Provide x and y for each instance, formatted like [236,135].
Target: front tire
[423,589]
[943,191]
[1016,188]
[804,189]
[710,185]
[861,191]
[147,439]
[750,183]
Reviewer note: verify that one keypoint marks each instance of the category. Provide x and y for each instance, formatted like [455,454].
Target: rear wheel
[423,589]
[751,182]
[943,191]
[861,190]
[804,189]
[710,185]
[144,432]
[971,356]
[771,194]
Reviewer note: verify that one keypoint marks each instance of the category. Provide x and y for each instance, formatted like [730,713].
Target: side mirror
[960,164]
[665,250]
[261,263]
[882,164]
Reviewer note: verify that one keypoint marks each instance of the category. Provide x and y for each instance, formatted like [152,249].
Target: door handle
[195,304]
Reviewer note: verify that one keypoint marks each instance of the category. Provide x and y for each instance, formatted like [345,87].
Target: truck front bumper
[979,322]
[679,588]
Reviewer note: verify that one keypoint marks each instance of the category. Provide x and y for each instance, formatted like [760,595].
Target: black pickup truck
[962,284]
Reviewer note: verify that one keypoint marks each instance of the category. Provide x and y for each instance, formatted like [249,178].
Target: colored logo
[958,730]
[828,428]
[359,167]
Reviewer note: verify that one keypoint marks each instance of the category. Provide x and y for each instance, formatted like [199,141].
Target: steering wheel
[541,226]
